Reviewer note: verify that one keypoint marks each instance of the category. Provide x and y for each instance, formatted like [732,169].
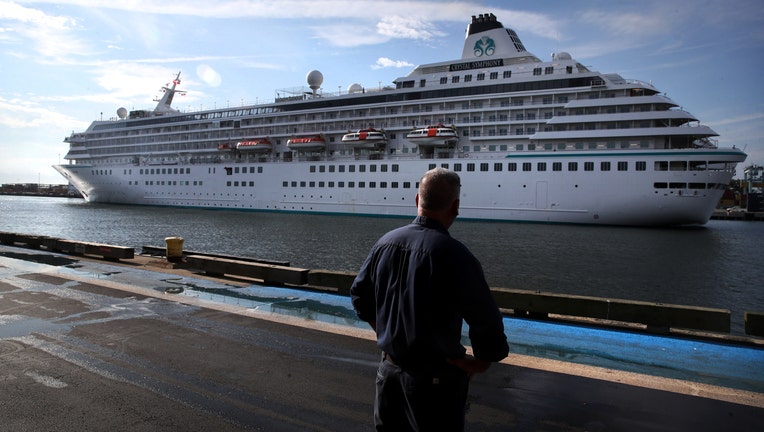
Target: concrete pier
[88,344]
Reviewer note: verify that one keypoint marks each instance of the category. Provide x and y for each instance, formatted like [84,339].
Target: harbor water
[717,265]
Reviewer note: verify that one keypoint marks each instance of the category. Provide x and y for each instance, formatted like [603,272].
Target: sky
[65,63]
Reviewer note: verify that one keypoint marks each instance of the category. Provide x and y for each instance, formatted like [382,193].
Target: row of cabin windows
[468,78]
[543,166]
[352,168]
[351,184]
[494,75]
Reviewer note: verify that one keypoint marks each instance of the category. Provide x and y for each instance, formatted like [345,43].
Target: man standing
[414,289]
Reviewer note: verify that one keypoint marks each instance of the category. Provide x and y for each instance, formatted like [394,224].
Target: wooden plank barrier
[268,273]
[107,251]
[754,323]
[657,317]
[340,280]
[99,249]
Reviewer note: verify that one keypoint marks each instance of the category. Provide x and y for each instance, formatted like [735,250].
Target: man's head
[438,195]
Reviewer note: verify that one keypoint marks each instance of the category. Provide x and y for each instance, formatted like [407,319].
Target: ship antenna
[164,104]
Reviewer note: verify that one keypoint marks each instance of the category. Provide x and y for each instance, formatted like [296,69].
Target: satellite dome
[315,79]
[562,55]
[122,112]
[355,88]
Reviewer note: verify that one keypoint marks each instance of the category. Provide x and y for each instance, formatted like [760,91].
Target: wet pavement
[92,345]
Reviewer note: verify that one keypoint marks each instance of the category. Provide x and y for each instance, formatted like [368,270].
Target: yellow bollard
[174,249]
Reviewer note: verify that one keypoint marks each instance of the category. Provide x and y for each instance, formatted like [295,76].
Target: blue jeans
[420,401]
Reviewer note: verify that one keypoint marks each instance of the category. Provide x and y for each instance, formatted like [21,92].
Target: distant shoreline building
[38,189]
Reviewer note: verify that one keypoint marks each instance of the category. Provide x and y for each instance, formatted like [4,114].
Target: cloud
[398,27]
[50,36]
[384,62]
[21,113]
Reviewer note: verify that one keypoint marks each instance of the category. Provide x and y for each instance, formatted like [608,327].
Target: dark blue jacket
[417,285]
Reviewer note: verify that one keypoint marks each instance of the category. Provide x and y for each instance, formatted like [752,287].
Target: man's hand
[470,364]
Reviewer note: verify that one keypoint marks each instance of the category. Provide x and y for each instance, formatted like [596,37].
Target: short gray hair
[438,188]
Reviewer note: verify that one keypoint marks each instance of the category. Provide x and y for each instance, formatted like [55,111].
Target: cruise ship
[534,141]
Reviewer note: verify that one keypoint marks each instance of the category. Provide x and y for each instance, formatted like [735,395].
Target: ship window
[677,166]
[467,78]
[623,166]
[331,184]
[512,166]
[541,166]
[285,184]
[569,69]
[312,184]
[470,167]
[383,185]
[228,183]
[322,168]
[527,166]
[484,167]
[660,185]
[361,184]
[697,166]
[395,167]
[372,184]
[536,71]
[351,184]
[361,168]
[572,166]
[604,166]
[548,70]
[341,184]
[508,74]
[557,166]
[331,168]
[457,167]
[294,184]
[351,168]
[494,75]
[641,165]
[454,79]
[321,184]
[394,185]
[498,166]
[444,80]
[342,168]
[406,185]
[422,83]
[302,184]
[588,166]
[383,168]
[312,168]
[697,185]
[677,185]
[372,168]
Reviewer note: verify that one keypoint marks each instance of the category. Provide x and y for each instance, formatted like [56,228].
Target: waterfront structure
[533,140]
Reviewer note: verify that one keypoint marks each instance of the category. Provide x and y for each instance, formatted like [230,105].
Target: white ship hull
[581,197]
[533,141]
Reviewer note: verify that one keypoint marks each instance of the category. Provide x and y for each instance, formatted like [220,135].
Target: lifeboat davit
[365,138]
[259,145]
[308,142]
[437,135]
